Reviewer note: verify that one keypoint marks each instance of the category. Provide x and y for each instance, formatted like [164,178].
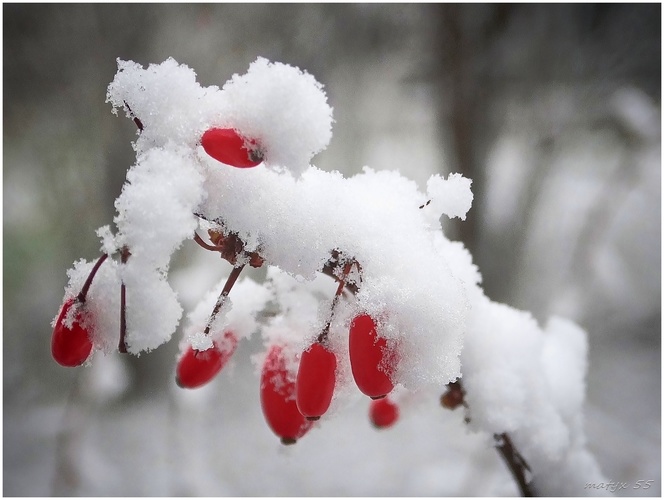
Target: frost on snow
[422,289]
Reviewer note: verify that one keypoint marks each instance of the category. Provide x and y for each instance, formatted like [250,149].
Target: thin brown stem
[205,218]
[122,345]
[515,463]
[342,282]
[86,286]
[136,120]
[230,248]
[207,246]
[328,270]
[232,278]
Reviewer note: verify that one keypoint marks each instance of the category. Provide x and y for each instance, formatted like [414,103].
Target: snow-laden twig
[413,303]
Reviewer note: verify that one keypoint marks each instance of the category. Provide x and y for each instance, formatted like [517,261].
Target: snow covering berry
[71,344]
[197,367]
[372,361]
[408,315]
[277,392]
[227,146]
[98,286]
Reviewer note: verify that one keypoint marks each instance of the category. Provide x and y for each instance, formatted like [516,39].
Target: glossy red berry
[71,346]
[196,368]
[383,412]
[371,360]
[229,147]
[278,399]
[315,381]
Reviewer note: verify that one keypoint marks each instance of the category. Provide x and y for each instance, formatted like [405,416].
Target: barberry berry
[371,360]
[196,368]
[229,147]
[71,346]
[315,382]
[277,393]
[383,412]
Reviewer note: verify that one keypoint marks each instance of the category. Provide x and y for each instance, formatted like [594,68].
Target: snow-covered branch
[404,311]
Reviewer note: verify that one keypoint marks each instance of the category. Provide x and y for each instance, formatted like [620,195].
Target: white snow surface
[421,288]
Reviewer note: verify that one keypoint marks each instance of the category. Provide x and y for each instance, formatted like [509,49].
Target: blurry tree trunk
[455,61]
[464,38]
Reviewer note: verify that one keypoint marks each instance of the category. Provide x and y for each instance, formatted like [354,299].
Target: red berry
[371,361]
[315,381]
[70,346]
[196,368]
[229,147]
[383,413]
[278,399]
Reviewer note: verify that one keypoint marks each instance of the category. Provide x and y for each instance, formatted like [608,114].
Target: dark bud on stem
[453,397]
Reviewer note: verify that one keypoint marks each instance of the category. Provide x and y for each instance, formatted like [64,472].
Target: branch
[515,463]
[453,398]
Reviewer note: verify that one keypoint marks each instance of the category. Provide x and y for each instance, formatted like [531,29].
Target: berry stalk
[135,119]
[122,344]
[322,337]
[232,278]
[86,286]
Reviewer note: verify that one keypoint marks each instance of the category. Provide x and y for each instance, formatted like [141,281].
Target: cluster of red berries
[71,341]
[290,404]
[291,407]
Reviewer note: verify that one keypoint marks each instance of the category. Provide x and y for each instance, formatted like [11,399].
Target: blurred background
[554,111]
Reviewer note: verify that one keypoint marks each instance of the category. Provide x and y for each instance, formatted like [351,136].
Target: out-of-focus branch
[66,477]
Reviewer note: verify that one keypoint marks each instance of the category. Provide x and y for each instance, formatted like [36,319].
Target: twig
[207,246]
[328,270]
[322,337]
[232,278]
[230,247]
[454,397]
[86,286]
[136,120]
[122,345]
[515,463]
